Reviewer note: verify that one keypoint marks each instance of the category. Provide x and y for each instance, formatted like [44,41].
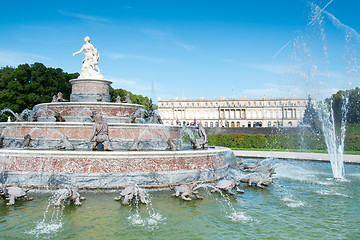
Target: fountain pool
[301,204]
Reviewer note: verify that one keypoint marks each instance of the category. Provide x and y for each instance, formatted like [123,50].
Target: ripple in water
[331,193]
[153,220]
[239,217]
[46,228]
[292,203]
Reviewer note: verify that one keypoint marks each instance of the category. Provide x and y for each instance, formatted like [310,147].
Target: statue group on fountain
[90,69]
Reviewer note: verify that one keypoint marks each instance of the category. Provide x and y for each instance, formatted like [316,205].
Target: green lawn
[292,150]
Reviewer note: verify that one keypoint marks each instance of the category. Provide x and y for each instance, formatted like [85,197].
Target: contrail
[281,49]
[319,13]
[342,26]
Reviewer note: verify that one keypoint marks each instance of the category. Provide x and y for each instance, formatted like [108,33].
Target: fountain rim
[111,154]
[89,104]
[87,124]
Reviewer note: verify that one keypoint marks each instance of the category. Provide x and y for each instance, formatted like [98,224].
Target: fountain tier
[43,168]
[48,135]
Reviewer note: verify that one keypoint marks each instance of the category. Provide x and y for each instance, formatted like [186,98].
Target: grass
[293,150]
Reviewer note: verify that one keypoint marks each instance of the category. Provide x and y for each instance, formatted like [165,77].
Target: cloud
[184,45]
[278,91]
[156,34]
[131,84]
[84,16]
[9,58]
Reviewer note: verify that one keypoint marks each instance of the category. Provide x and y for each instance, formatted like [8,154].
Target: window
[290,124]
[211,124]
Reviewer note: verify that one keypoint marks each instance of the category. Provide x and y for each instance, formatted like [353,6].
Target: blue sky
[194,48]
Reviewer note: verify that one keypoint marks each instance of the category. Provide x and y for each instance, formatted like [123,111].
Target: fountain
[44,158]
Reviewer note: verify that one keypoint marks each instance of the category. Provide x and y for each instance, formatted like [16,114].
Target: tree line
[25,86]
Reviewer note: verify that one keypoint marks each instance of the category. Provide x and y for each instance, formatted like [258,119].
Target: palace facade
[233,112]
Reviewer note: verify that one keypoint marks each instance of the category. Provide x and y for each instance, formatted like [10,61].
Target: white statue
[90,69]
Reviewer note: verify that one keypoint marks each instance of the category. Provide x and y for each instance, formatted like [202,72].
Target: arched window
[249,124]
[237,124]
[206,124]
[211,124]
[216,124]
[269,124]
[290,124]
[232,124]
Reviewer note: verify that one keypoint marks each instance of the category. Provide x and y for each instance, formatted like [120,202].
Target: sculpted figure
[261,180]
[202,141]
[127,98]
[34,117]
[60,97]
[135,145]
[66,144]
[26,142]
[130,193]
[186,191]
[71,195]
[54,99]
[90,67]
[14,193]
[171,145]
[59,118]
[101,133]
[1,141]
[227,185]
[250,167]
[118,99]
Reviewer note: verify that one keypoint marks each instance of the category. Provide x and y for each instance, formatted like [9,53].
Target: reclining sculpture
[187,192]
[260,180]
[71,195]
[14,193]
[130,193]
[227,185]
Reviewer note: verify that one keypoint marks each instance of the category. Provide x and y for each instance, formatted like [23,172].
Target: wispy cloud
[15,58]
[131,56]
[271,68]
[184,45]
[131,84]
[84,16]
[277,90]
[153,33]
[156,34]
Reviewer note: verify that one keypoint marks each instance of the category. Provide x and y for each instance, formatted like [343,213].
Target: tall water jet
[334,140]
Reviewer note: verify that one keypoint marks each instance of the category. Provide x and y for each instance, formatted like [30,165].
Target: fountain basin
[81,111]
[48,135]
[85,169]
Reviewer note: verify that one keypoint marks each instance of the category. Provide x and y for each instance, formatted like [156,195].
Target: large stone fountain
[35,153]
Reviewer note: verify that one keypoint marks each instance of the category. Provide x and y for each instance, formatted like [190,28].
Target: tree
[353,105]
[311,117]
[137,99]
[27,85]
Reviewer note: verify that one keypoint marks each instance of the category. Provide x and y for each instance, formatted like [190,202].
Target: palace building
[233,112]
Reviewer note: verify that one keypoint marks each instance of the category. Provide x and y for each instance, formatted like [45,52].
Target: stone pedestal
[90,90]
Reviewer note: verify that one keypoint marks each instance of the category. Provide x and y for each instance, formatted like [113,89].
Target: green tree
[311,117]
[353,106]
[137,99]
[27,85]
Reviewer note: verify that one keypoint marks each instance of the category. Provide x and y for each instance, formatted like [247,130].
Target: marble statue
[90,69]
[101,133]
[127,98]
